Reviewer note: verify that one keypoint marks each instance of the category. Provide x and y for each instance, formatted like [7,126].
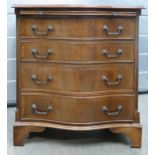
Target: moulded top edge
[77,6]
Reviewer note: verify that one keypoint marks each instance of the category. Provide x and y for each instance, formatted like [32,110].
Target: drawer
[78,78]
[77,28]
[77,110]
[71,51]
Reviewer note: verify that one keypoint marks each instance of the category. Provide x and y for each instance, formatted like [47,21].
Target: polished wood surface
[134,133]
[132,130]
[74,6]
[75,110]
[77,28]
[77,69]
[77,78]
[20,133]
[82,52]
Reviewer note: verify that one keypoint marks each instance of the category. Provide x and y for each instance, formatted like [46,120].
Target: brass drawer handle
[115,55]
[35,30]
[112,83]
[35,111]
[106,30]
[44,56]
[41,82]
[118,110]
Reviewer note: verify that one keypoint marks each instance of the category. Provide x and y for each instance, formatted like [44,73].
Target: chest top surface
[77,9]
[79,3]
[76,6]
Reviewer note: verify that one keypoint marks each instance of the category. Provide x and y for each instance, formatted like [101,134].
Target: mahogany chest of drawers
[77,69]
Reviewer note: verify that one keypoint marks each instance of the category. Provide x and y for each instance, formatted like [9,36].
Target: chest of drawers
[77,69]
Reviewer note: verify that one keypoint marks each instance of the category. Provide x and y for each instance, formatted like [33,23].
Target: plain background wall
[11,40]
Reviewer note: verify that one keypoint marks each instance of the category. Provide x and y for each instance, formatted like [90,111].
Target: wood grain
[78,78]
[70,6]
[134,134]
[77,110]
[77,51]
[21,132]
[132,130]
[70,28]
[77,87]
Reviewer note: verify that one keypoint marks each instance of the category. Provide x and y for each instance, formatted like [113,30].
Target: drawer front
[70,52]
[65,109]
[77,28]
[84,78]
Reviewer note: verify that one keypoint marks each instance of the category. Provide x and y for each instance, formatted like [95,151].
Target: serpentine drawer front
[78,78]
[71,28]
[74,110]
[77,69]
[92,51]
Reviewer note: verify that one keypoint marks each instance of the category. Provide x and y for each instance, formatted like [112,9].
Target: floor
[54,142]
